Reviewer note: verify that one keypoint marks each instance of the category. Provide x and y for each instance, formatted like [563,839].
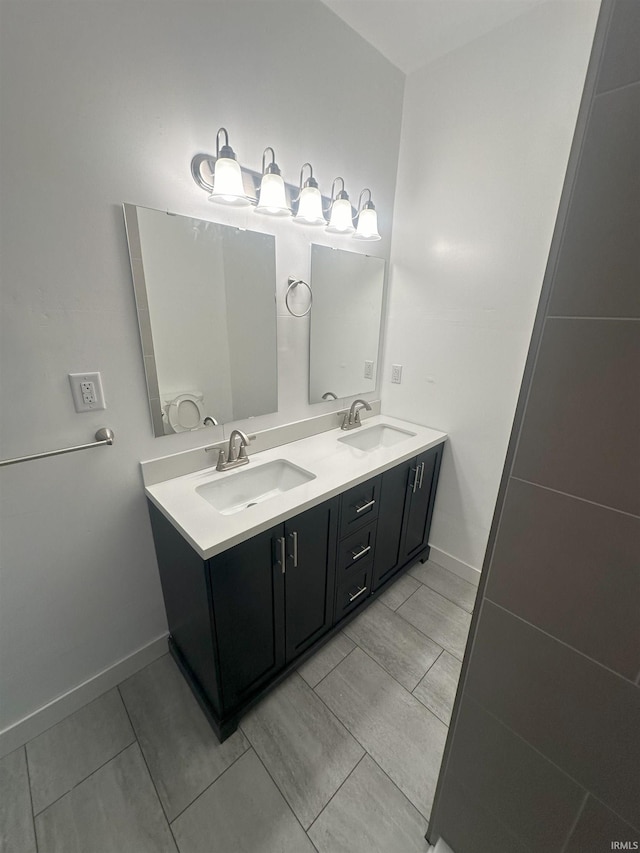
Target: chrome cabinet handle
[357,595]
[364,506]
[283,553]
[421,474]
[361,553]
[415,479]
[294,539]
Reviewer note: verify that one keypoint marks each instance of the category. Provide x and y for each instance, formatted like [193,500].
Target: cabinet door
[247,592]
[309,578]
[393,496]
[421,489]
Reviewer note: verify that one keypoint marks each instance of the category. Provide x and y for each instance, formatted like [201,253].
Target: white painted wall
[485,140]
[106,102]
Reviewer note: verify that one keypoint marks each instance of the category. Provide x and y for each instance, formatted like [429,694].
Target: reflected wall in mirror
[205,295]
[345,323]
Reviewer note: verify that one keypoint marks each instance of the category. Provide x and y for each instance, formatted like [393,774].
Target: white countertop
[336,466]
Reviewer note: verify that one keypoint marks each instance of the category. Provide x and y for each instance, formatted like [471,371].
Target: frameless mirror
[345,323]
[205,295]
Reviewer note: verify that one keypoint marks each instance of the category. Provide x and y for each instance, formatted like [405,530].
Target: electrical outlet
[86,389]
[396,373]
[368,370]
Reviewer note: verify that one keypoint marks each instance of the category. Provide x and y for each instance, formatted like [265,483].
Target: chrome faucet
[232,458]
[352,417]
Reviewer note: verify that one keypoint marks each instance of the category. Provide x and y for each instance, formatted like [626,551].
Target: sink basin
[252,486]
[375,437]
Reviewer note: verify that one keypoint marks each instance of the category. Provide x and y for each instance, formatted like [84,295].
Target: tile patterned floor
[342,757]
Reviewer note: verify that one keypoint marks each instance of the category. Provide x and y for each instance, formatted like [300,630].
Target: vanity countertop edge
[336,466]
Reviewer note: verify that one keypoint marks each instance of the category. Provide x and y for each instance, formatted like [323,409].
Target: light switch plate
[396,374]
[86,389]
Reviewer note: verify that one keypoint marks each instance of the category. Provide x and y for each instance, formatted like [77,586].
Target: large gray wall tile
[456,589]
[324,660]
[114,810]
[468,826]
[581,433]
[16,822]
[621,63]
[580,715]
[598,827]
[598,270]
[437,690]
[571,568]
[401,649]
[525,792]
[399,733]
[438,618]
[369,814]
[183,754]
[243,812]
[69,751]
[305,748]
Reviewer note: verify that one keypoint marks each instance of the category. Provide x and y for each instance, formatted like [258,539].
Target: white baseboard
[53,712]
[454,565]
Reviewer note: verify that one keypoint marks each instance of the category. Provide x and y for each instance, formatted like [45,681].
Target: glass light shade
[227,183]
[273,200]
[310,207]
[341,222]
[367,225]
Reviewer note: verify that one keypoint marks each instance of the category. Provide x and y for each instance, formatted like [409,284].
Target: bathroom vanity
[257,573]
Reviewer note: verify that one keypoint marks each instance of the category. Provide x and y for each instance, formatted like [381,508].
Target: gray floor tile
[243,812]
[68,752]
[307,751]
[437,617]
[324,660]
[396,645]
[369,815]
[16,822]
[115,810]
[183,754]
[399,591]
[456,589]
[437,690]
[401,735]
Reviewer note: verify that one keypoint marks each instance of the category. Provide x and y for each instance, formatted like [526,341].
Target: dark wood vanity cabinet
[242,620]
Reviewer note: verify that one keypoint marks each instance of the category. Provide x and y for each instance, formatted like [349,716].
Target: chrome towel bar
[103,436]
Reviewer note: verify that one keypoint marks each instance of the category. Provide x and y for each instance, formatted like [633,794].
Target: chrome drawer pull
[294,537]
[361,553]
[357,595]
[415,479]
[364,506]
[421,474]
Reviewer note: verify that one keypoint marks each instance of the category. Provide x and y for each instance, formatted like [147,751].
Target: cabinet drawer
[360,505]
[354,593]
[356,548]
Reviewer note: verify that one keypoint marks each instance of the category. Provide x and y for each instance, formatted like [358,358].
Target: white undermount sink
[251,486]
[375,437]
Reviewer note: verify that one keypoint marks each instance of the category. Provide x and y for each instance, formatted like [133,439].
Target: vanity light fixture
[309,200]
[367,220]
[341,221]
[228,187]
[272,199]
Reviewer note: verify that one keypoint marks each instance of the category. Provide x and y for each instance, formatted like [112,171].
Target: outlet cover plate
[76,380]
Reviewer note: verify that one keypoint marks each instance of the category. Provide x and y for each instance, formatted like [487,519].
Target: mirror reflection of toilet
[184,412]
